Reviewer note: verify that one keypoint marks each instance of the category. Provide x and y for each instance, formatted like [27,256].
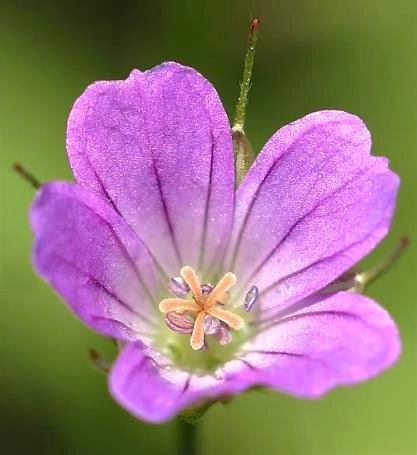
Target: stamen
[210,317]
[178,305]
[228,280]
[178,286]
[251,298]
[223,336]
[197,337]
[211,325]
[205,345]
[232,320]
[190,277]
[180,323]
[206,288]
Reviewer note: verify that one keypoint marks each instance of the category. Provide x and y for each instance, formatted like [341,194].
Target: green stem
[377,270]
[187,437]
[247,76]
[244,155]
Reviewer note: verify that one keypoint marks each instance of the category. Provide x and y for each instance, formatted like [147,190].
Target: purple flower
[212,291]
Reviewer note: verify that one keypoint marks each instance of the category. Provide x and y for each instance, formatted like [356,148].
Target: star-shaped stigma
[205,304]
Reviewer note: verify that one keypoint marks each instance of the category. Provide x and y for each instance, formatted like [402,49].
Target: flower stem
[247,76]
[377,270]
[187,437]
[243,150]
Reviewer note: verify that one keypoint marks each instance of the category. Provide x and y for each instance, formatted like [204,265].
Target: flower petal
[341,339]
[93,259]
[158,146]
[146,383]
[313,204]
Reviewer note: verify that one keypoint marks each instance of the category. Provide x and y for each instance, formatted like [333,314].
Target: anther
[223,336]
[180,323]
[211,325]
[206,288]
[251,298]
[178,286]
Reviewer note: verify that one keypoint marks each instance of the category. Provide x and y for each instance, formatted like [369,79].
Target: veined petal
[158,146]
[341,339]
[94,260]
[146,383]
[313,204]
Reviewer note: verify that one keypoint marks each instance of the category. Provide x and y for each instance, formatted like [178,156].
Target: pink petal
[94,260]
[146,384]
[342,339]
[312,205]
[158,146]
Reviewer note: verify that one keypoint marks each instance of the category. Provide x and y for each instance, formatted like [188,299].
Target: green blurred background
[359,56]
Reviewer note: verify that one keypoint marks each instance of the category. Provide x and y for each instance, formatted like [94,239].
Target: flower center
[205,314]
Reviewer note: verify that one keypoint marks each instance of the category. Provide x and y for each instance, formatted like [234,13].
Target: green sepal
[244,156]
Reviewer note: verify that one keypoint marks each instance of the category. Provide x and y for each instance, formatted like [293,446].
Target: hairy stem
[244,155]
[247,76]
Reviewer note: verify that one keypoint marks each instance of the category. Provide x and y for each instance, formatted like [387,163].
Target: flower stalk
[244,155]
[368,276]
[187,437]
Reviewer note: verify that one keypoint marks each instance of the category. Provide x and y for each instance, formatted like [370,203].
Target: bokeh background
[359,56]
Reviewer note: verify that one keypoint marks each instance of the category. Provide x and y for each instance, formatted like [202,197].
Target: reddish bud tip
[94,355]
[254,24]
[17,167]
[404,241]
[98,361]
